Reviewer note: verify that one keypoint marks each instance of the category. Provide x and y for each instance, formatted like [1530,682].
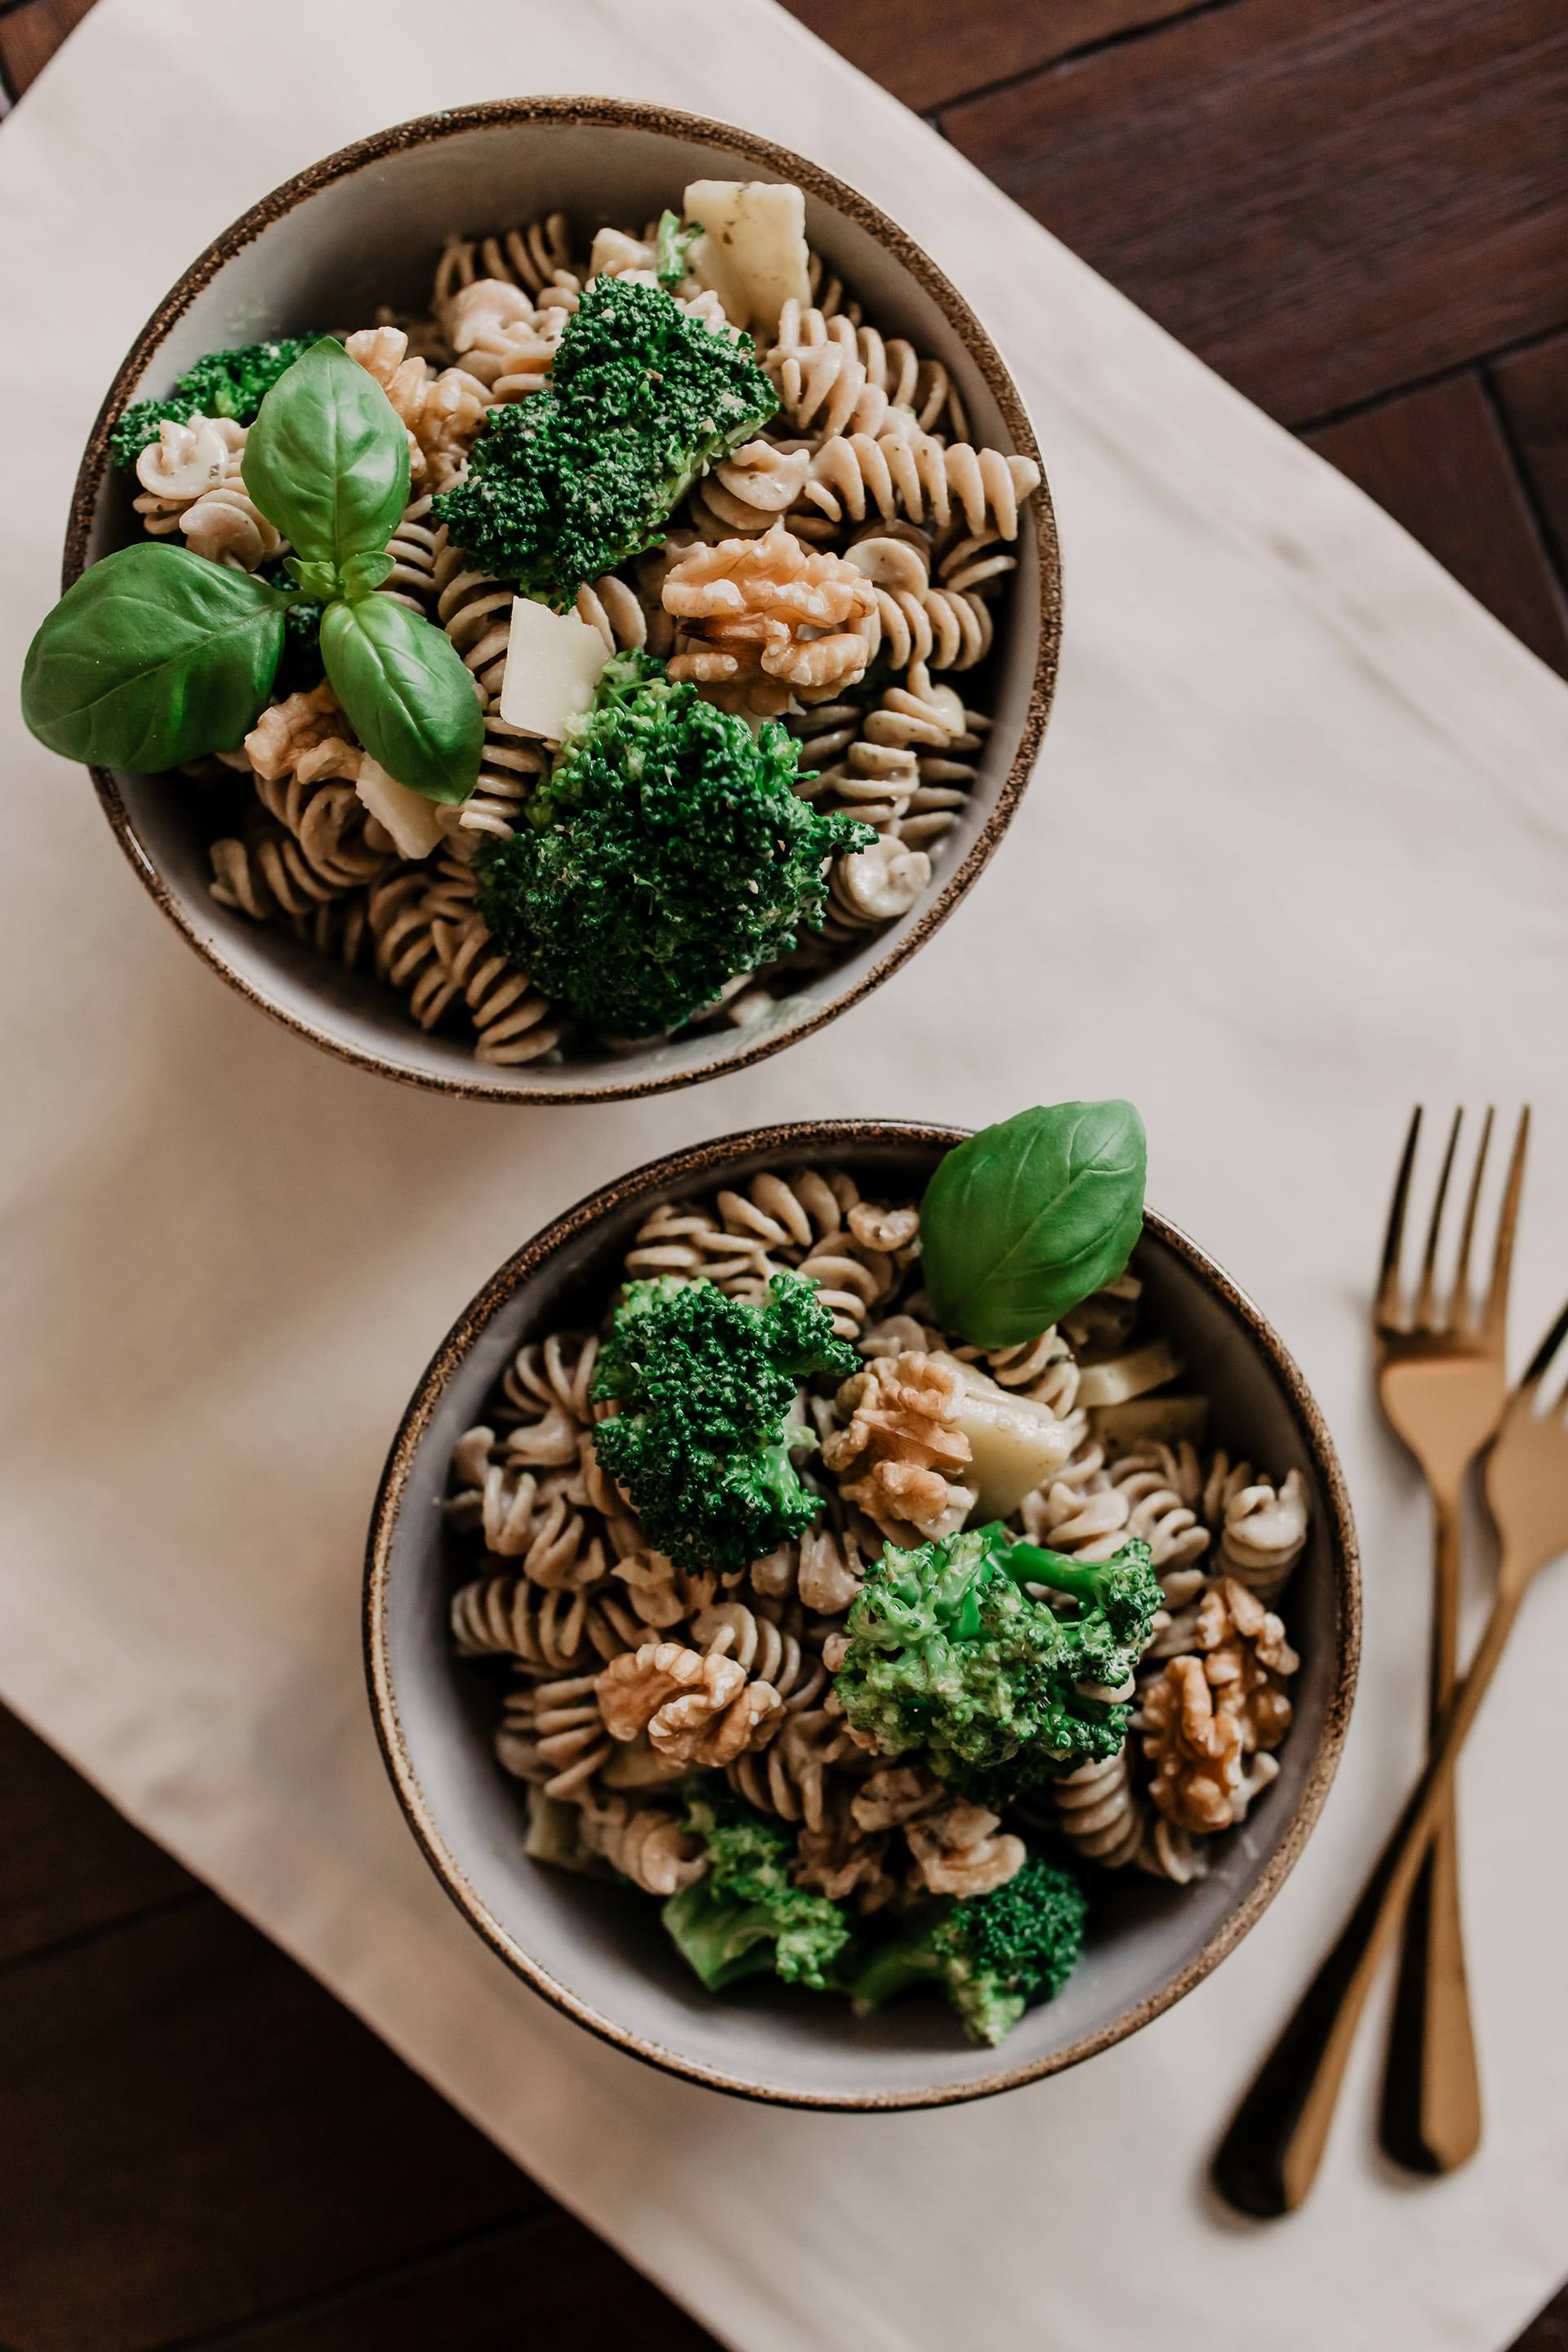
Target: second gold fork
[1441,1380]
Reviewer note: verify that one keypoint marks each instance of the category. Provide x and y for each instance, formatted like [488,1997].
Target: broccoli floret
[671,244]
[746,1915]
[667,853]
[947,1654]
[569,482]
[221,384]
[301,667]
[702,1442]
[990,1955]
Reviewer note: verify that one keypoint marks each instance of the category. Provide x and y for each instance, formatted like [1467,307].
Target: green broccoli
[702,1442]
[947,1654]
[668,852]
[301,667]
[990,1955]
[568,483]
[671,244]
[221,384]
[746,1915]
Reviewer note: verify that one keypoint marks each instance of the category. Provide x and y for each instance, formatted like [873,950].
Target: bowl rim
[607,113]
[692,1164]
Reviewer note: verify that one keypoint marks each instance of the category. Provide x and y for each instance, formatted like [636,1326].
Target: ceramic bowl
[337,241]
[597,1950]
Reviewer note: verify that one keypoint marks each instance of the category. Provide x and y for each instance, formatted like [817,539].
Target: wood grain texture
[30,36]
[552,2285]
[68,1863]
[1326,201]
[929,52]
[1330,199]
[1531,390]
[1438,462]
[208,2137]
[1549,2331]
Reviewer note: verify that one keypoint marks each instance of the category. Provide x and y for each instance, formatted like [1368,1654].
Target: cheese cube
[753,249]
[553,665]
[414,822]
[1016,1445]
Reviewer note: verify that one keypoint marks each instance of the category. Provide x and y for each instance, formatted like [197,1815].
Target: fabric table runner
[1297,853]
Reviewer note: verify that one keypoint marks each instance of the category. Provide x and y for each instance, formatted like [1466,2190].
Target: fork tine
[1387,1306]
[1536,1369]
[1462,1271]
[1425,1297]
[1508,1219]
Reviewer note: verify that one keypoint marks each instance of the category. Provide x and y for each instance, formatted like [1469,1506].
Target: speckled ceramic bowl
[597,1951]
[364,228]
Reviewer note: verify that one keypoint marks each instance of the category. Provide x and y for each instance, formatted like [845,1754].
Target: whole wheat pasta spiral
[552,1734]
[403,928]
[328,848]
[537,256]
[748,491]
[642,1685]
[763,1646]
[689,1243]
[792,1776]
[512,1020]
[867,473]
[1043,1369]
[645,1842]
[789,1215]
[556,1631]
[500,339]
[191,481]
[552,1376]
[413,547]
[912,474]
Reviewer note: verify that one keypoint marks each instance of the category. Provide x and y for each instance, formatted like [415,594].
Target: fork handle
[1268,2159]
[1430,2118]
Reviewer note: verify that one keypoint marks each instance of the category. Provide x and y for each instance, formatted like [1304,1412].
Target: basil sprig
[152,657]
[1028,1218]
[320,462]
[156,656]
[408,696]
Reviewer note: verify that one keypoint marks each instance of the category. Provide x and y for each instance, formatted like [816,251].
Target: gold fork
[1441,1380]
[1268,2159]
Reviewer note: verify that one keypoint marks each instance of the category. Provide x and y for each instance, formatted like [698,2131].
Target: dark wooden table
[1357,210]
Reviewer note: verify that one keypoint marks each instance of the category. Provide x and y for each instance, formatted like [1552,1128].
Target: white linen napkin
[1297,852]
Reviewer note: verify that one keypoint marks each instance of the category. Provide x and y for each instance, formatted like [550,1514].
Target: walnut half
[900,1456]
[695,1709]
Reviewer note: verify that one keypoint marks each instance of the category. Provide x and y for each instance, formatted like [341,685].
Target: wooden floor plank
[1533,392]
[1549,2331]
[1326,201]
[931,52]
[30,36]
[555,2285]
[207,2136]
[1438,461]
[68,1863]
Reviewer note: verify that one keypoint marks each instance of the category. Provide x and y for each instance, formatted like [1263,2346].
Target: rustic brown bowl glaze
[364,228]
[597,1951]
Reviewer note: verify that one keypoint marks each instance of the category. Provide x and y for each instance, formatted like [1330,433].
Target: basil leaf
[154,656]
[327,457]
[410,698]
[1029,1217]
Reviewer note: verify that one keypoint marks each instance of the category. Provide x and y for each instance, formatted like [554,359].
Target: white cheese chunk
[1016,1445]
[414,822]
[553,665]
[753,248]
[1133,1375]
